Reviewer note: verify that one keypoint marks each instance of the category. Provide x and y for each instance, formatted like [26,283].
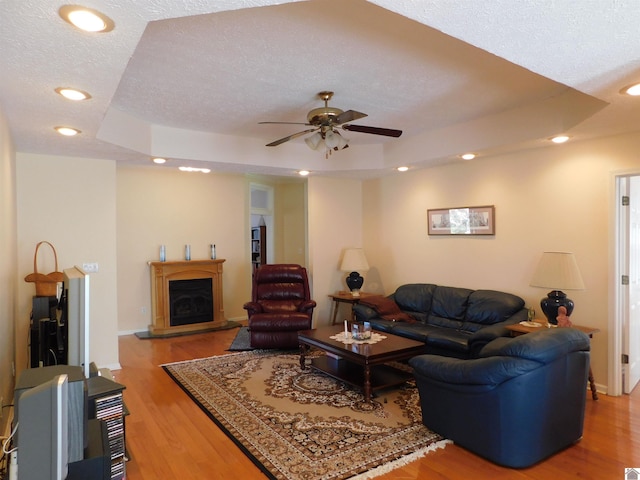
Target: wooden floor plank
[168,436]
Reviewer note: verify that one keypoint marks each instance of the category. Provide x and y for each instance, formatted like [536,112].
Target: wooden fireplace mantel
[164,272]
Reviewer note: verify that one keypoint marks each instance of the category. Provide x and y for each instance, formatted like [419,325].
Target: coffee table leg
[303,352]
[367,383]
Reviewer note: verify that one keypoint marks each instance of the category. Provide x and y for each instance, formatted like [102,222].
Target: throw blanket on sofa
[387,308]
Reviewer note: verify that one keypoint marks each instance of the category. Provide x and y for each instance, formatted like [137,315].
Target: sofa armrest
[479,339]
[490,371]
[364,313]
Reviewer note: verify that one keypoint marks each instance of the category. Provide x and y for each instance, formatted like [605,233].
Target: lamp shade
[557,271]
[354,260]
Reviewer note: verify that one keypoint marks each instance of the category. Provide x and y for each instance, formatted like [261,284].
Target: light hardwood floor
[169,437]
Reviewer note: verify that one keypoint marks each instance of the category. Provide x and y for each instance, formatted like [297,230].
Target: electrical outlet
[90,267]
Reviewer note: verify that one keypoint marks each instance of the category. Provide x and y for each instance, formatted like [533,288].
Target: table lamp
[354,261]
[557,271]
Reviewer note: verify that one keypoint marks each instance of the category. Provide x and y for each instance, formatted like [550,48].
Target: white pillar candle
[345,329]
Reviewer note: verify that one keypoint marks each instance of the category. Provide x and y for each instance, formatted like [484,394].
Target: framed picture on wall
[462,221]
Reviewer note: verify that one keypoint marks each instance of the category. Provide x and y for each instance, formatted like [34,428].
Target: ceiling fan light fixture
[331,139]
[313,142]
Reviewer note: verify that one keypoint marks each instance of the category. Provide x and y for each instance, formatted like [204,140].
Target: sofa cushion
[489,306]
[414,297]
[387,308]
[450,302]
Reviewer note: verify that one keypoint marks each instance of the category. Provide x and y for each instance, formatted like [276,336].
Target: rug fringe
[400,462]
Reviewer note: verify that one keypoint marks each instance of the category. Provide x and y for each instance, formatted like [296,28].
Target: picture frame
[462,221]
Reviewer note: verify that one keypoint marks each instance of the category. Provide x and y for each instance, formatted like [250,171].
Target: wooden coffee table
[359,364]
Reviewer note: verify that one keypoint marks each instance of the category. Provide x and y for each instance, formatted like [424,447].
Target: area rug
[241,342]
[300,424]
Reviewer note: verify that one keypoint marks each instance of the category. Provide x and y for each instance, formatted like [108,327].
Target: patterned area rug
[299,424]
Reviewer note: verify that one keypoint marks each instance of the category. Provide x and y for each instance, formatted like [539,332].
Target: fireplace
[186,296]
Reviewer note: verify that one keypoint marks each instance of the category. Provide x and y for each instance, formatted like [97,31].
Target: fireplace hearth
[186,296]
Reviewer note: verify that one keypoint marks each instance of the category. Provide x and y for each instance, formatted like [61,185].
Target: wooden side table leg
[592,385]
[335,311]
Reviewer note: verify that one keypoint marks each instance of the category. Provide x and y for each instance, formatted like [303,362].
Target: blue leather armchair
[520,402]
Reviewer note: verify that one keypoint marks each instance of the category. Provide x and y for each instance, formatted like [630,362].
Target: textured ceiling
[183,79]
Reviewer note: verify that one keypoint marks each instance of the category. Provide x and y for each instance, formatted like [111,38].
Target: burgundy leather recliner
[281,305]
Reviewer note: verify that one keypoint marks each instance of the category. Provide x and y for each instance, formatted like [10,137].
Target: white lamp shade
[313,141]
[354,260]
[331,139]
[558,271]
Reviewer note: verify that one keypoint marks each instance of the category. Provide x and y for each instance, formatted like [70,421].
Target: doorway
[625,339]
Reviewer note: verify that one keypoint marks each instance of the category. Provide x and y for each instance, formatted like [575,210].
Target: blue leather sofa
[451,321]
[520,402]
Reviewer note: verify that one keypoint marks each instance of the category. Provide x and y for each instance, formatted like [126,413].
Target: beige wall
[558,198]
[290,223]
[165,206]
[8,268]
[71,203]
[334,223]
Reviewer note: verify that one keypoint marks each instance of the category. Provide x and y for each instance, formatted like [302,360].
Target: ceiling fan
[325,122]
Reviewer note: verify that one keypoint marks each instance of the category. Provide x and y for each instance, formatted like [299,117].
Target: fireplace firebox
[190,301]
[186,296]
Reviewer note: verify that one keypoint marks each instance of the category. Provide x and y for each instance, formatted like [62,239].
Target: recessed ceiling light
[402,169]
[86,19]
[194,169]
[67,131]
[303,173]
[560,139]
[468,156]
[633,90]
[72,93]
[159,160]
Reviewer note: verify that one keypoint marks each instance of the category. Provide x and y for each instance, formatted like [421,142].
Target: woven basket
[46,284]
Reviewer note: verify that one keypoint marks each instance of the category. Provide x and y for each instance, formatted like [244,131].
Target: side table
[346,297]
[518,329]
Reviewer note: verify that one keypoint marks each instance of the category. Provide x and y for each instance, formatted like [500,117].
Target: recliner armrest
[307,306]
[252,308]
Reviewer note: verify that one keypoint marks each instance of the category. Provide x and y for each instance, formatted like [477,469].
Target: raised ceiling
[192,80]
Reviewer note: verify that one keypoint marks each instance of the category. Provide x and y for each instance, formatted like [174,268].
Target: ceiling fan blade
[290,137]
[349,116]
[283,123]
[388,132]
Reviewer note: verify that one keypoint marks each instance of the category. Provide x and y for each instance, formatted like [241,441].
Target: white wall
[558,198]
[8,266]
[71,203]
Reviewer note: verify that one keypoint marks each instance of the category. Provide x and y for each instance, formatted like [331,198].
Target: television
[43,431]
[75,315]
